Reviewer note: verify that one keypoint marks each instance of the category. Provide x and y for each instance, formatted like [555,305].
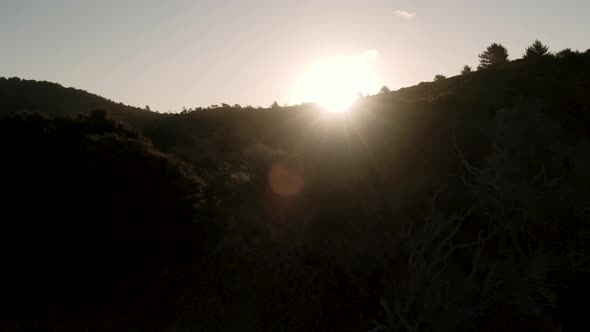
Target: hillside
[19,95]
[454,205]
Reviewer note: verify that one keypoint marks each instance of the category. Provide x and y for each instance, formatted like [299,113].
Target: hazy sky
[175,53]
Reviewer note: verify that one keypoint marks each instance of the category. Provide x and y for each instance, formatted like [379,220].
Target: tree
[147,108]
[274,105]
[536,50]
[439,78]
[466,70]
[494,55]
[567,54]
[384,89]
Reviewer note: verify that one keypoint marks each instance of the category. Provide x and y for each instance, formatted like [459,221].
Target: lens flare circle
[284,180]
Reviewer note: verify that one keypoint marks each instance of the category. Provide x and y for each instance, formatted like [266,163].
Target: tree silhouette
[536,50]
[439,78]
[566,54]
[466,70]
[274,105]
[384,89]
[494,55]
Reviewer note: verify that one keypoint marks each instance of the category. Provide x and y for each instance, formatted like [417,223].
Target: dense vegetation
[458,204]
[92,217]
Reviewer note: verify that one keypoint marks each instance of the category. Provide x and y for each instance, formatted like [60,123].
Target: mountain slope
[31,96]
[454,205]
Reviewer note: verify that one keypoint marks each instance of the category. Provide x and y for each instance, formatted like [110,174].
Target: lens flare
[285,181]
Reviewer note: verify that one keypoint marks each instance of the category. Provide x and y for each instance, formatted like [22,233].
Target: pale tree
[466,70]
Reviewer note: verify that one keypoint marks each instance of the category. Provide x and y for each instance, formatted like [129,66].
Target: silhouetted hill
[454,205]
[18,96]
[556,82]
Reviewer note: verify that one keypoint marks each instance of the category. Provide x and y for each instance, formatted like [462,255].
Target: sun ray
[335,83]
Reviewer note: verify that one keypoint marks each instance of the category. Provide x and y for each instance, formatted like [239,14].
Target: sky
[174,53]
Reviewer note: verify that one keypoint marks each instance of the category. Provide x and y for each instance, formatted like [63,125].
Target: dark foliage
[93,218]
[494,55]
[448,206]
[536,51]
[439,78]
[466,70]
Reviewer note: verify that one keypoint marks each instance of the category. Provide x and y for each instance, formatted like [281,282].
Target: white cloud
[405,14]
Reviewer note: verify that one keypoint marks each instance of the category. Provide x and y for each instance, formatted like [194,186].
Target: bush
[466,70]
[501,263]
[92,216]
[439,78]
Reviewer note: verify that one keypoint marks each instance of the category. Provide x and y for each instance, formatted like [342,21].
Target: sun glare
[335,83]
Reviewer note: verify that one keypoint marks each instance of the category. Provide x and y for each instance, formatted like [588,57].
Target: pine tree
[494,55]
[536,50]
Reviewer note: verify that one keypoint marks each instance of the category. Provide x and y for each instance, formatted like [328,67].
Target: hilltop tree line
[496,55]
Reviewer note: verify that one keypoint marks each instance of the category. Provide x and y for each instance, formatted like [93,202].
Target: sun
[335,83]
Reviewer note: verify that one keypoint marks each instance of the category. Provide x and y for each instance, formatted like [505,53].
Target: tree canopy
[90,207]
[438,78]
[536,50]
[567,53]
[466,70]
[494,55]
